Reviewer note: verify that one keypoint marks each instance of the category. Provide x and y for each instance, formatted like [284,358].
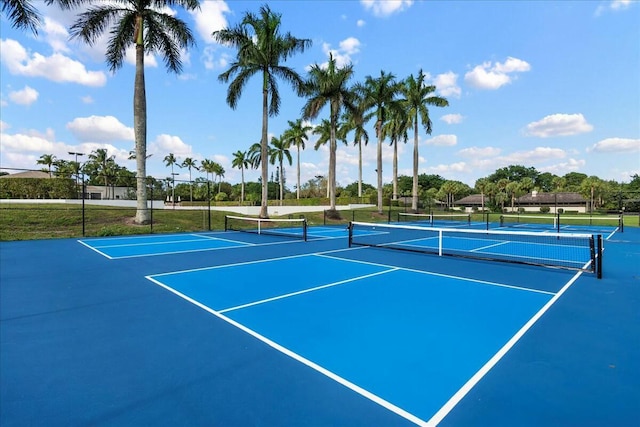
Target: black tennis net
[448,220]
[559,250]
[288,227]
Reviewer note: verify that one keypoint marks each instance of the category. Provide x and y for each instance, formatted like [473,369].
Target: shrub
[545,209]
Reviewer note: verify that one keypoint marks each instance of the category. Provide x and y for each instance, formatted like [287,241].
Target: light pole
[76,154]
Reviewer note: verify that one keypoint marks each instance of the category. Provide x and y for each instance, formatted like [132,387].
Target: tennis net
[560,222]
[289,227]
[568,250]
[434,219]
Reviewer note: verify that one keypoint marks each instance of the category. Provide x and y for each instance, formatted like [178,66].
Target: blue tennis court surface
[238,329]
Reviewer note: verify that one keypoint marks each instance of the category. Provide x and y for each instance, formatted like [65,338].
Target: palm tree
[165,34]
[354,121]
[218,171]
[328,85]
[280,152]
[48,160]
[417,95]
[255,155]
[380,94]
[323,130]
[481,186]
[21,14]
[296,135]
[189,163]
[171,160]
[103,164]
[396,128]
[242,162]
[261,50]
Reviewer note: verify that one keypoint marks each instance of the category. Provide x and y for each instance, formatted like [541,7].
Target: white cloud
[56,35]
[170,144]
[211,61]
[617,145]
[87,99]
[452,119]
[447,84]
[26,96]
[571,165]
[4,126]
[382,8]
[614,5]
[493,76]
[360,23]
[476,152]
[559,125]
[100,129]
[443,169]
[442,141]
[343,55]
[210,18]
[57,67]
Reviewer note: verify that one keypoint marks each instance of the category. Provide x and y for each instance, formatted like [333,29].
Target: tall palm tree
[218,171]
[396,128]
[126,21]
[323,130]
[242,162]
[328,85]
[355,121]
[190,163]
[297,135]
[48,160]
[261,50]
[170,161]
[417,96]
[379,93]
[280,152]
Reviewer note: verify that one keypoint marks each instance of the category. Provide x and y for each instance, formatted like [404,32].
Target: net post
[324,217]
[439,242]
[226,227]
[501,220]
[599,257]
[621,222]
[304,229]
[557,220]
[350,228]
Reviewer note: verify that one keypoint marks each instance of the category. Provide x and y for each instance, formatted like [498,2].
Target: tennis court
[322,327]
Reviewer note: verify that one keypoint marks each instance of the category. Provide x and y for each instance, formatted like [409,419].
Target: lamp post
[76,154]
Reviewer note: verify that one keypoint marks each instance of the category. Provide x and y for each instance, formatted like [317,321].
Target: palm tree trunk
[395,170]
[242,186]
[359,170]
[332,159]
[281,182]
[298,186]
[140,130]
[379,164]
[264,213]
[414,189]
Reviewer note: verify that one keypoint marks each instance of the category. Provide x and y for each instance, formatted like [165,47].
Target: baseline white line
[457,397]
[94,249]
[304,291]
[380,401]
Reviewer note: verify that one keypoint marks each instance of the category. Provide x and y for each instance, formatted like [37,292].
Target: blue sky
[553,85]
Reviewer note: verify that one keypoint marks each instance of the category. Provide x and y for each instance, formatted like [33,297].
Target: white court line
[490,246]
[377,399]
[304,291]
[94,249]
[457,397]
[430,273]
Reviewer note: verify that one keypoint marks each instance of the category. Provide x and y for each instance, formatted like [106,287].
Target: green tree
[279,153]
[190,163]
[329,85]
[513,173]
[573,180]
[48,160]
[396,128]
[262,50]
[354,120]
[296,135]
[103,165]
[126,21]
[242,162]
[418,96]
[379,94]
